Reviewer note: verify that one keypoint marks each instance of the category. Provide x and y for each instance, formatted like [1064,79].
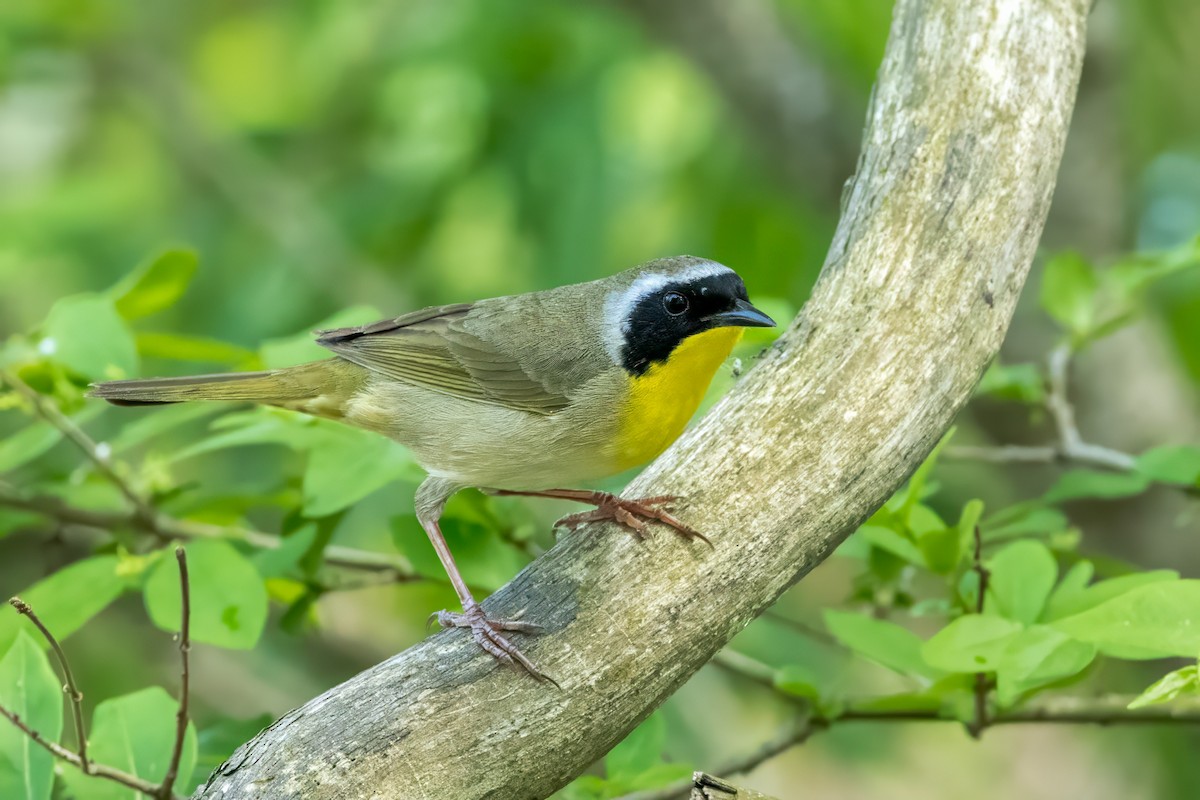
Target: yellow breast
[661,400]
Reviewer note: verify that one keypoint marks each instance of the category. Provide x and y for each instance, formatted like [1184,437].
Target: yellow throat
[661,400]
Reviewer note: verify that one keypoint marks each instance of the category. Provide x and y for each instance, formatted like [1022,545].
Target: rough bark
[962,144]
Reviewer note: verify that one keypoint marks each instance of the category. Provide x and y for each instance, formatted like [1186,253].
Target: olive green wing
[431,348]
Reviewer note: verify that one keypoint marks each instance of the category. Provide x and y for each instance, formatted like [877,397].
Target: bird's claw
[635,514]
[487,634]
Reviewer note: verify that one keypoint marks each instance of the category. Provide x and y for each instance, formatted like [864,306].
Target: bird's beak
[743,315]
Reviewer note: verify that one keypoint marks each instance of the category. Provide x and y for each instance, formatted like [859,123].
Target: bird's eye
[675,303]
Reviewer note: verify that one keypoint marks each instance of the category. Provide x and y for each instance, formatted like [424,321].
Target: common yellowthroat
[516,395]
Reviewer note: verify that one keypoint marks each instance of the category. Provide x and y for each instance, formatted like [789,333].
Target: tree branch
[1109,709]
[70,688]
[97,770]
[65,425]
[980,722]
[1106,710]
[146,517]
[1070,446]
[167,787]
[795,732]
[962,144]
[79,759]
[167,529]
[1059,403]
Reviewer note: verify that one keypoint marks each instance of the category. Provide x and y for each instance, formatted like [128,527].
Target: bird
[518,395]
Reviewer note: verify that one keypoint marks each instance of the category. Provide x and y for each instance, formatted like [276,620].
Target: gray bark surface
[960,152]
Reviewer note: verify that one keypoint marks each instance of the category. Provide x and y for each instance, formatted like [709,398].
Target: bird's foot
[633,513]
[487,634]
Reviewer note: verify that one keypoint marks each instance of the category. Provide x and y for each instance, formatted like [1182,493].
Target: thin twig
[752,669]
[97,770]
[1007,454]
[1106,710]
[71,688]
[1070,445]
[51,413]
[147,518]
[167,528]
[1058,402]
[80,759]
[185,644]
[976,727]
[1100,710]
[794,733]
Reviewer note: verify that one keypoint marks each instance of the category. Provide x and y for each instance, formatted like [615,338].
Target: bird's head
[657,306]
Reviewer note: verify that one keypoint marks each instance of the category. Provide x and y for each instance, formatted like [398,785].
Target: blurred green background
[322,155]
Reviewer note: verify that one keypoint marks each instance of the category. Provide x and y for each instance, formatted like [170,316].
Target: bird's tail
[318,388]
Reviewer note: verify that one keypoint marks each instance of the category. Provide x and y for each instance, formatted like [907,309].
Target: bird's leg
[633,513]
[486,631]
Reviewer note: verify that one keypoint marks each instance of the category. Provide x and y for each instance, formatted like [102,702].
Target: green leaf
[640,750]
[301,347]
[1069,590]
[68,598]
[1021,578]
[30,689]
[156,285]
[347,464]
[923,520]
[283,560]
[1075,602]
[1036,657]
[155,423]
[36,439]
[915,490]
[27,444]
[887,539]
[1027,519]
[971,643]
[178,347]
[485,559]
[1022,383]
[1158,620]
[968,519]
[1068,292]
[796,681]
[941,549]
[14,520]
[134,733]
[1179,465]
[343,466]
[1082,484]
[887,643]
[85,333]
[585,787]
[229,601]
[658,776]
[1180,683]
[258,426]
